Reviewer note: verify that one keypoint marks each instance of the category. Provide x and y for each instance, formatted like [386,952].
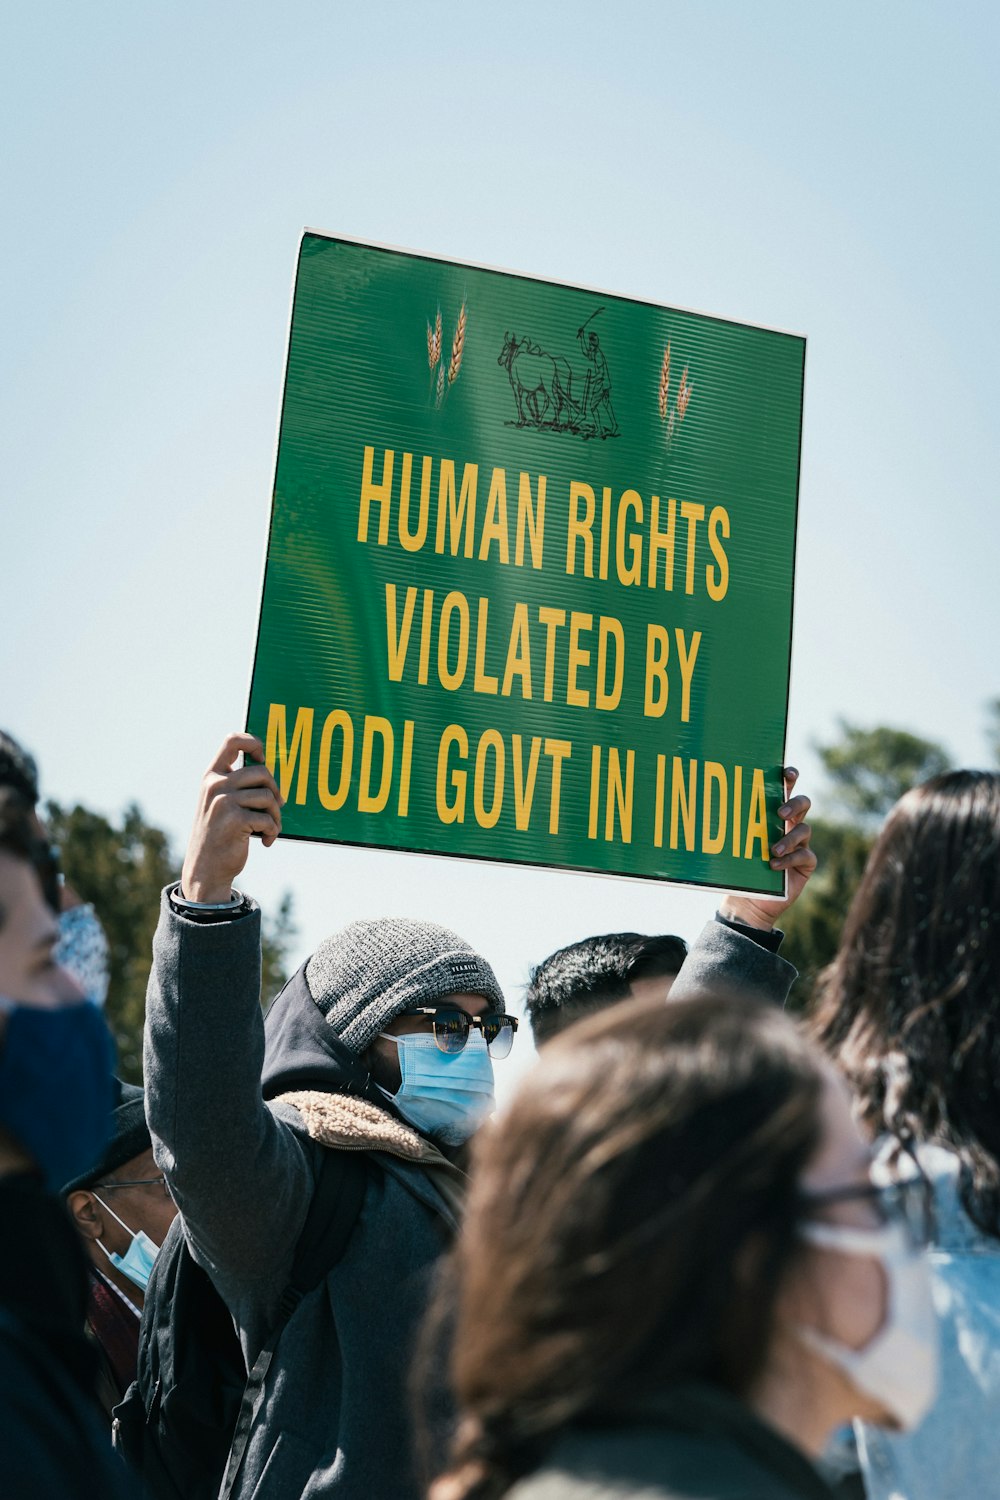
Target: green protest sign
[528,591]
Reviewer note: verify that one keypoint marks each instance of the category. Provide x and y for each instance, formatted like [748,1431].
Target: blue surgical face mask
[138,1260]
[446,1096]
[57,1086]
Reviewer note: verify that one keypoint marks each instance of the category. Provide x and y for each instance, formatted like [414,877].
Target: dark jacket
[692,1443]
[723,957]
[695,1442]
[242,1171]
[113,1330]
[55,1441]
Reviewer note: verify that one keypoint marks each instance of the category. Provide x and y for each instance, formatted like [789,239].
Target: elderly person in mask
[122,1212]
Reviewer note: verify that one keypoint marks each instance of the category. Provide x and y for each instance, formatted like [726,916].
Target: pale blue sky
[829,170]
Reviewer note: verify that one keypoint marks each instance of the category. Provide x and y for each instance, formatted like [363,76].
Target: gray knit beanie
[365,976]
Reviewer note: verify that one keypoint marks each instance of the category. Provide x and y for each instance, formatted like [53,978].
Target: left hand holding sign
[233,805]
[791,853]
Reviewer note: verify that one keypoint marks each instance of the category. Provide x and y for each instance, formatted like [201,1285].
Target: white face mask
[899,1366]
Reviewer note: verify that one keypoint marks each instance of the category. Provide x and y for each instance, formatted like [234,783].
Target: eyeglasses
[451,1028]
[137,1182]
[907,1201]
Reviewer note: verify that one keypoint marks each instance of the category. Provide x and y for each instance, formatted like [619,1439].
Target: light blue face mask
[137,1262]
[446,1096]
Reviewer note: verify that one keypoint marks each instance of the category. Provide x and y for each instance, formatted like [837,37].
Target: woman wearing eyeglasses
[678,1277]
[910,1011]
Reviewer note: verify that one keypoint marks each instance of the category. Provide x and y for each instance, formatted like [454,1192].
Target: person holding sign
[738,948]
[378,1052]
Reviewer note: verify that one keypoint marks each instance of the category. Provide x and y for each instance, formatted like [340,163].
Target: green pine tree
[122,868]
[868,770]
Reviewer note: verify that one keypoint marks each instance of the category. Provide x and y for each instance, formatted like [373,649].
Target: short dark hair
[594,973]
[17,831]
[17,834]
[19,838]
[18,771]
[658,955]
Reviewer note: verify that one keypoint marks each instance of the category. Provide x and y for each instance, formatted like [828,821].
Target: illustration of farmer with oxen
[542,384]
[597,417]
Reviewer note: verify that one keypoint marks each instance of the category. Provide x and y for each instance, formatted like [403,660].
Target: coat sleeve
[240,1176]
[722,958]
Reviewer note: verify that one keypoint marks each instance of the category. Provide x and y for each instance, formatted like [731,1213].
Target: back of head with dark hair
[600,1258]
[910,1006]
[18,837]
[18,771]
[594,973]
[657,956]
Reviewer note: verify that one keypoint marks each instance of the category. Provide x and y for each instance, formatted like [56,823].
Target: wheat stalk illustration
[684,395]
[458,345]
[664,383]
[440,384]
[434,346]
[434,341]
[685,391]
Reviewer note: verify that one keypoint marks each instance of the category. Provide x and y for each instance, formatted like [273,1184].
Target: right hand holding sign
[233,805]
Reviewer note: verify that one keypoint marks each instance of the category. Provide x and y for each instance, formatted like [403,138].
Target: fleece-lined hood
[307,1066]
[303,1052]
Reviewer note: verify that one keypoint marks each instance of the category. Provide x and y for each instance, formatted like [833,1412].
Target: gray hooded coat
[240,1111]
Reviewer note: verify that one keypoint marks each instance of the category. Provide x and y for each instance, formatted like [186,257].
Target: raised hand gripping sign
[528,589]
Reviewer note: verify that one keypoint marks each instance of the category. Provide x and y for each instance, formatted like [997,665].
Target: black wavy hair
[910,1007]
[19,838]
[18,771]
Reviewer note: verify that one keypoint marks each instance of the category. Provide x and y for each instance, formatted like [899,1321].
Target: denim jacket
[955,1452]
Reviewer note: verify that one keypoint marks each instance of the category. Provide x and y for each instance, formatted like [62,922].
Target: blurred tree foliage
[122,870]
[993,729]
[868,770]
[277,935]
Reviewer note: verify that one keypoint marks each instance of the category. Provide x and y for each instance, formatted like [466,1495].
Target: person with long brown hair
[910,1012]
[678,1229]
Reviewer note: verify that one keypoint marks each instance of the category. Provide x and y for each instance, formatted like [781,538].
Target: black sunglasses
[451,1028]
[907,1201]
